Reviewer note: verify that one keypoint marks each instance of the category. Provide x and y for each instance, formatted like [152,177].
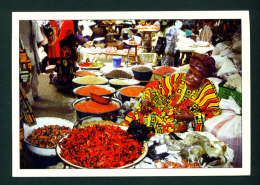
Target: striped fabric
[26,116]
[170,95]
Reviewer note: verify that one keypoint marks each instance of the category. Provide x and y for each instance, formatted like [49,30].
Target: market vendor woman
[170,104]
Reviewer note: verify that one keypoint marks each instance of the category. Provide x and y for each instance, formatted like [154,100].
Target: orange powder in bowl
[93,89]
[85,73]
[132,91]
[93,107]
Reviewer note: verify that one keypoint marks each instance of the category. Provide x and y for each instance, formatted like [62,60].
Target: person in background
[53,46]
[171,35]
[66,66]
[31,38]
[206,33]
[170,104]
[44,42]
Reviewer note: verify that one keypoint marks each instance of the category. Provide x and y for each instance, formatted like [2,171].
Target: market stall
[106,91]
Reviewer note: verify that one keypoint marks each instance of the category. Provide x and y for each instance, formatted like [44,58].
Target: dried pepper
[164,70]
[93,107]
[183,164]
[48,136]
[93,89]
[132,91]
[100,146]
[85,73]
[87,64]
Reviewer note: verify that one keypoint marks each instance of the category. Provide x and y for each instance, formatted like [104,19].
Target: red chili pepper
[104,146]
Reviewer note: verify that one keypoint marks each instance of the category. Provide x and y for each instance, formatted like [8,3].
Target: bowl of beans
[86,107]
[102,90]
[142,72]
[116,74]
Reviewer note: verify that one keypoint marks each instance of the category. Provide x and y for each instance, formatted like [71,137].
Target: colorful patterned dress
[26,117]
[170,95]
[66,66]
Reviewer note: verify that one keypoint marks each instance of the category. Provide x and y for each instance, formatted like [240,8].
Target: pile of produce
[90,80]
[141,69]
[90,64]
[48,136]
[170,164]
[132,91]
[93,107]
[93,89]
[84,73]
[164,70]
[118,74]
[100,146]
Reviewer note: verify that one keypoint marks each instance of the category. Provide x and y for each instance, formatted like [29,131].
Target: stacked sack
[227,55]
[227,127]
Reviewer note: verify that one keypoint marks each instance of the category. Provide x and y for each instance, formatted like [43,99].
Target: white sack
[213,124]
[226,52]
[234,81]
[227,67]
[230,104]
[237,46]
[221,46]
[231,134]
[219,60]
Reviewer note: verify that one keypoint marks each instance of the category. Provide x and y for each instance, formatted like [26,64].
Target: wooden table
[187,52]
[149,32]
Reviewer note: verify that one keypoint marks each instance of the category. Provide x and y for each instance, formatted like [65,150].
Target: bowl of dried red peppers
[102,90]
[101,146]
[130,92]
[86,107]
[41,139]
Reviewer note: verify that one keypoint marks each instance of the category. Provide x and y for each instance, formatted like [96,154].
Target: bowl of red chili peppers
[102,90]
[101,146]
[86,107]
[41,139]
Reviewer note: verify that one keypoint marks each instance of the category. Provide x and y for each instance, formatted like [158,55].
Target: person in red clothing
[66,65]
[54,47]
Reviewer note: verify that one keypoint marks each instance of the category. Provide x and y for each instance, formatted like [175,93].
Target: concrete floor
[51,102]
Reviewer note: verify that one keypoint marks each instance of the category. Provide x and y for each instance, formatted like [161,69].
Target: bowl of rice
[119,83]
[102,90]
[89,80]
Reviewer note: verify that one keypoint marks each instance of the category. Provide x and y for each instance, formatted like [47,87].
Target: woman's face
[194,79]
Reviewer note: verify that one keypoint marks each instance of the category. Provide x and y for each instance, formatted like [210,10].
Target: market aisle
[51,102]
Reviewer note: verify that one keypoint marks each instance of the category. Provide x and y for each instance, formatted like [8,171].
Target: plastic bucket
[188,33]
[117,61]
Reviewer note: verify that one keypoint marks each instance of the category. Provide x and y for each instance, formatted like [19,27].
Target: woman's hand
[184,116]
[146,106]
